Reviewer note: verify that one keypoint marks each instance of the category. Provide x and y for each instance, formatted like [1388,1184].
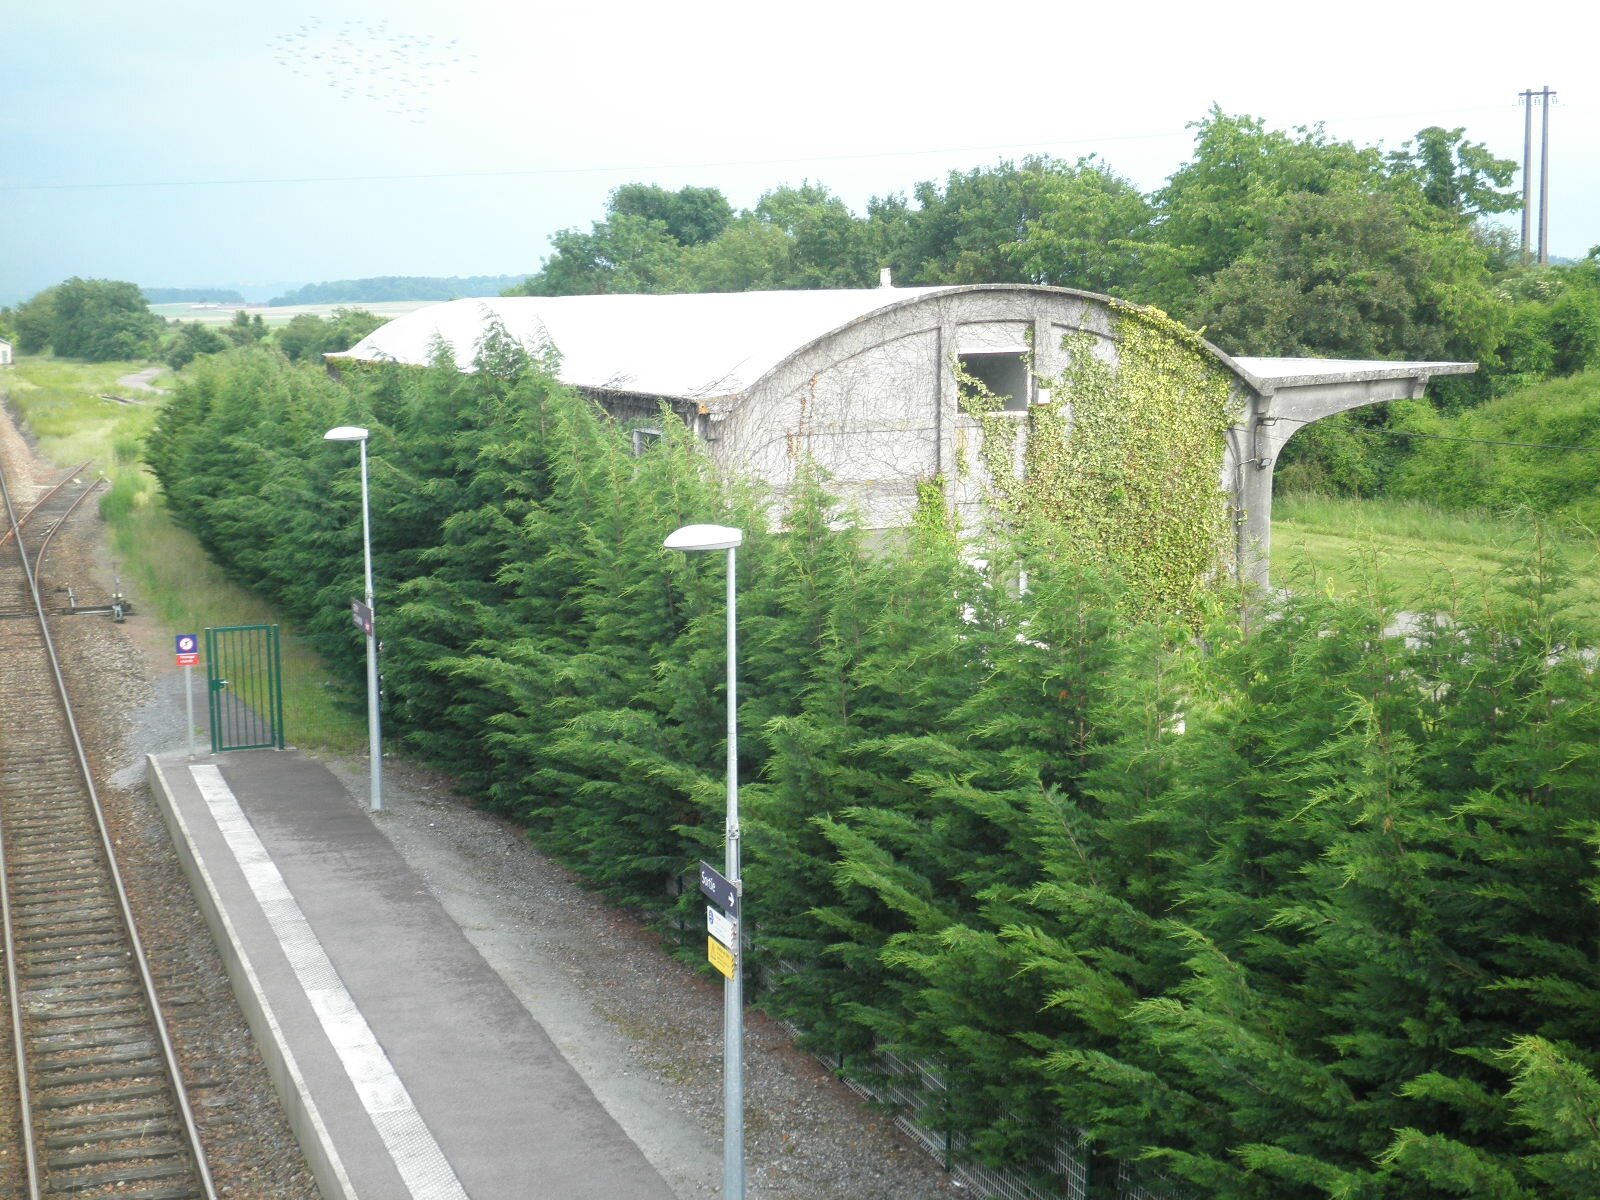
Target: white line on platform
[428,1175]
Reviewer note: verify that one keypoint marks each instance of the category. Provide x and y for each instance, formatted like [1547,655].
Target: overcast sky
[182,143]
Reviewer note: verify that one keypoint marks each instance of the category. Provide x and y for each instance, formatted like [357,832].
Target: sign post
[187,648]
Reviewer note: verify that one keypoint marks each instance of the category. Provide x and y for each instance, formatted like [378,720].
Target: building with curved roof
[864,381]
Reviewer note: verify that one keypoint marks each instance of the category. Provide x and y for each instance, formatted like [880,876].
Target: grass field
[163,570]
[1419,551]
[281,315]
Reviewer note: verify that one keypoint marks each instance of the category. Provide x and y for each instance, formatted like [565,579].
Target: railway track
[101,1110]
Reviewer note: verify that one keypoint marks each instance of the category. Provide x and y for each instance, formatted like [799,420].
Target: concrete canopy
[862,380]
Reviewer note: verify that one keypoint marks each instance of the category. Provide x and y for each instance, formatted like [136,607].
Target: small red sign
[188,650]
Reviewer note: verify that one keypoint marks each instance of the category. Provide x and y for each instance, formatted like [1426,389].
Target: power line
[537,172]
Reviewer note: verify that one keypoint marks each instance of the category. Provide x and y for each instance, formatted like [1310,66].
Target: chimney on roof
[883,278]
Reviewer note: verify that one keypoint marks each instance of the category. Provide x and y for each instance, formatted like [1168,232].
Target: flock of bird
[401,72]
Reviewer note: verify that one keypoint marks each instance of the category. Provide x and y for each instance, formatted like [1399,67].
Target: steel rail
[14,526]
[139,957]
[13,983]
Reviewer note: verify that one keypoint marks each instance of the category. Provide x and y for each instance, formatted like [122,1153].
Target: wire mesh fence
[913,1093]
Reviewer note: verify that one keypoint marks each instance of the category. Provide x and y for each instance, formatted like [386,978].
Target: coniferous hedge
[1291,906]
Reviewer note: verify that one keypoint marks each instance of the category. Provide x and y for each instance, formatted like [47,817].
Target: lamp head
[704,537]
[346,433]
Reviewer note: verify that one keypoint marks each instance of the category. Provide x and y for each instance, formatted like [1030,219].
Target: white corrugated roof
[689,346]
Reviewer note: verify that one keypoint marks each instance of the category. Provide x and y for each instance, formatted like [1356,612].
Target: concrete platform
[408,1067]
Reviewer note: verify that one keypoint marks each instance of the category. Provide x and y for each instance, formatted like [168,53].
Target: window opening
[1005,375]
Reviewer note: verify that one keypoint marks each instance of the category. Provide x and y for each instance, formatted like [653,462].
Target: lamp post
[355,433]
[721,537]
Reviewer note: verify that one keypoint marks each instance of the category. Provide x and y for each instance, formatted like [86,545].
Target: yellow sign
[721,957]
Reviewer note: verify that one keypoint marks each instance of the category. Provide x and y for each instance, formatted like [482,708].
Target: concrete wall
[876,403]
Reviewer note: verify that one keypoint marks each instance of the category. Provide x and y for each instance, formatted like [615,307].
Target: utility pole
[1544,97]
[1544,179]
[1527,171]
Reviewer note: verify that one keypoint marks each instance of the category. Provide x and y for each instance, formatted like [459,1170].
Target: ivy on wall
[1125,466]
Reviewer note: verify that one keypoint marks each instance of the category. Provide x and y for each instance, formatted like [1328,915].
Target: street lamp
[355,433]
[721,537]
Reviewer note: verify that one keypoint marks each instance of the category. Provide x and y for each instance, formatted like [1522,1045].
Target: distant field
[224,314]
[1419,551]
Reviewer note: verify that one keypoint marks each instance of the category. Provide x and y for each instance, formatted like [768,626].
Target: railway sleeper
[79,904]
[64,962]
[88,924]
[97,934]
[140,1111]
[79,1081]
[83,859]
[58,879]
[57,826]
[36,821]
[119,1177]
[127,1133]
[119,1051]
[149,1192]
[101,1033]
[44,999]
[76,973]
[58,1014]
[133,1091]
[90,939]
[99,1156]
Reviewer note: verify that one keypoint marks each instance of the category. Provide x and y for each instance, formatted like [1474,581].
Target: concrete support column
[1254,445]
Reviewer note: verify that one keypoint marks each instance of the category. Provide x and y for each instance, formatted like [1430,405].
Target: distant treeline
[173,295]
[398,287]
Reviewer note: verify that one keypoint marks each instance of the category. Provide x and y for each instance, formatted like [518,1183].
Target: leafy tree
[33,321]
[245,330]
[1216,207]
[1354,274]
[188,341]
[624,253]
[967,231]
[828,246]
[1043,221]
[98,320]
[308,337]
[692,215]
[1091,231]
[750,255]
[1459,178]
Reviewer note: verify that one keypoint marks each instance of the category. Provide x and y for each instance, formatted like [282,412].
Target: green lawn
[1423,553]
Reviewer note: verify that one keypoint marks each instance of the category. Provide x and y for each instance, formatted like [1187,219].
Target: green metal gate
[245,687]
